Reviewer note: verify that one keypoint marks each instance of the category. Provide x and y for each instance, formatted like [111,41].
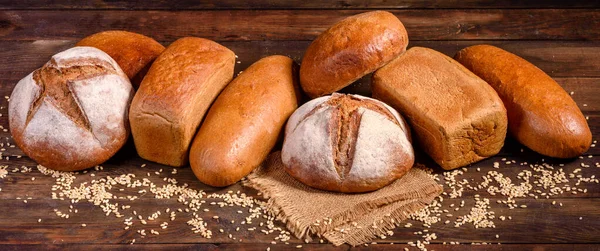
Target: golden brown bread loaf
[541,115]
[457,118]
[346,143]
[133,52]
[349,50]
[71,114]
[243,124]
[174,96]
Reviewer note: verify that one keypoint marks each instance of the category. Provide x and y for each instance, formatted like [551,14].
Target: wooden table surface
[560,37]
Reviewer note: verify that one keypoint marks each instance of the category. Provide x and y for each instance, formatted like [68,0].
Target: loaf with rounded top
[71,114]
[244,123]
[132,51]
[457,117]
[541,114]
[351,49]
[174,97]
[346,143]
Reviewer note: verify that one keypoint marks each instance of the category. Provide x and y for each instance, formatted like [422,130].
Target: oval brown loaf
[71,114]
[346,143]
[349,50]
[541,115]
[457,117]
[245,121]
[133,52]
[174,96]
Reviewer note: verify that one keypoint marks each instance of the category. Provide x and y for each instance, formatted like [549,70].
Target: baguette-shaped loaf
[457,118]
[541,115]
[243,124]
[174,96]
[133,52]
[349,50]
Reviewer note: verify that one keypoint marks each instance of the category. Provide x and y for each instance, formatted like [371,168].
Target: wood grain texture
[291,4]
[558,59]
[235,25]
[317,247]
[540,222]
[542,32]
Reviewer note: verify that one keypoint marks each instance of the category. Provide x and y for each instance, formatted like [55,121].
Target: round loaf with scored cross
[71,114]
[346,143]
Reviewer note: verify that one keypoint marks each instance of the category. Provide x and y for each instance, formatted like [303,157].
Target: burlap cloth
[340,218]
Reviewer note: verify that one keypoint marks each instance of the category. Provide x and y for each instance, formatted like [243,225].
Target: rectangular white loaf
[457,117]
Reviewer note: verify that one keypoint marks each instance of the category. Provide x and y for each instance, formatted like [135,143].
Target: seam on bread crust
[345,125]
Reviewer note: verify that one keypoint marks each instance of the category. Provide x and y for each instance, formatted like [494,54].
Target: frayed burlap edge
[384,224]
[303,230]
[274,207]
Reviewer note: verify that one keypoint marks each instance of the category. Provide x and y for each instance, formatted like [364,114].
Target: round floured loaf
[71,114]
[347,143]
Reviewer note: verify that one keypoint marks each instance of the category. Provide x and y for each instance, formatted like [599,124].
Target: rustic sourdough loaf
[243,124]
[133,52]
[541,115]
[349,50]
[346,143]
[174,96]
[71,114]
[457,118]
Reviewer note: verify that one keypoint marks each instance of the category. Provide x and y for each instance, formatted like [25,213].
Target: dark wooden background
[560,37]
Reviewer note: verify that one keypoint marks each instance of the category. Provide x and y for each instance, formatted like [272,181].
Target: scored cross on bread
[346,143]
[56,86]
[347,115]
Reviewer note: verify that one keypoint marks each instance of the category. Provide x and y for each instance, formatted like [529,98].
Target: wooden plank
[541,222]
[496,247]
[262,247]
[292,4]
[558,59]
[235,25]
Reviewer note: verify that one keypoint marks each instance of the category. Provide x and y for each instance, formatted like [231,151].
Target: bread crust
[457,118]
[349,50]
[174,97]
[244,123]
[71,114]
[541,115]
[346,143]
[132,51]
